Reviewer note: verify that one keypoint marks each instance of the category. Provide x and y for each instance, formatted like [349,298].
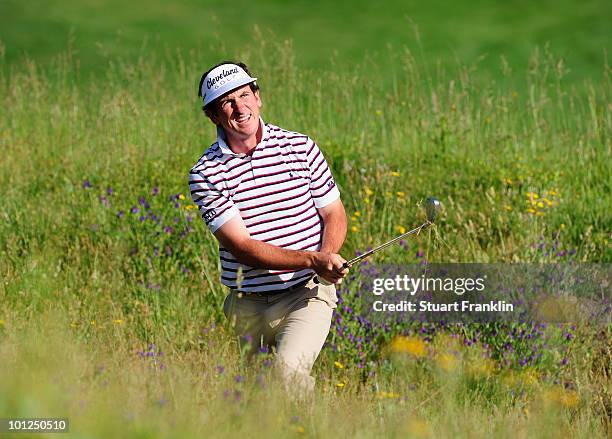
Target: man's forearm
[334,231]
[259,254]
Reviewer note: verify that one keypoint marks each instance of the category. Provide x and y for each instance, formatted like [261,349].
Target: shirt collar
[222,139]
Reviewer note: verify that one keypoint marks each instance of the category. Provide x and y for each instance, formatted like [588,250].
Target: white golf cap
[223,79]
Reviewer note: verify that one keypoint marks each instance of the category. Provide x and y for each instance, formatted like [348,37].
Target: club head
[432,207]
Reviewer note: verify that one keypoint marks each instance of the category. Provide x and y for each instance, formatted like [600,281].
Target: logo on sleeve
[330,184]
[209,215]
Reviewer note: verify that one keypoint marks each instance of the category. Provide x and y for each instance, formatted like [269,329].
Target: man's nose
[239,105]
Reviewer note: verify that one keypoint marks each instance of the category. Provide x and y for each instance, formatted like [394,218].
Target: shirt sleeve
[215,207]
[322,185]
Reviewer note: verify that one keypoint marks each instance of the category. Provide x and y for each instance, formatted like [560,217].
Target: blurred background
[360,34]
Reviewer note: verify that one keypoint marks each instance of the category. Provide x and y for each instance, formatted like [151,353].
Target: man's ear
[258,98]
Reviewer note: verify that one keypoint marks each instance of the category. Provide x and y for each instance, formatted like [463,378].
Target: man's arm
[234,236]
[334,223]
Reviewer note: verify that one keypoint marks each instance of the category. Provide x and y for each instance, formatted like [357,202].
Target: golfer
[269,198]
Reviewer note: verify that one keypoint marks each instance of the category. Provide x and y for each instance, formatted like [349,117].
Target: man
[269,198]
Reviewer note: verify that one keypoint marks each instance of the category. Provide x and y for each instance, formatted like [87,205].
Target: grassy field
[323,34]
[110,305]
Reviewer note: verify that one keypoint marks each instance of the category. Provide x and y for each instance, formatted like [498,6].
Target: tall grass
[104,262]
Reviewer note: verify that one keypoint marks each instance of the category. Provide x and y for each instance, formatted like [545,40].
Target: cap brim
[226,88]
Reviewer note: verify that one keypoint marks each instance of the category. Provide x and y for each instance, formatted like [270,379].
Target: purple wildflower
[109,190]
[86,184]
[220,369]
[155,190]
[120,214]
[134,209]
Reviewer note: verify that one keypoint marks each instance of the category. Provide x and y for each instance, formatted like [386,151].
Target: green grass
[323,34]
[79,296]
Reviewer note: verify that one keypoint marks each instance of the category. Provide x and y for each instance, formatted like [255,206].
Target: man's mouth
[243,118]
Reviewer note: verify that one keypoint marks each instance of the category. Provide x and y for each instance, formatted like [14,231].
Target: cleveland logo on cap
[210,82]
[223,79]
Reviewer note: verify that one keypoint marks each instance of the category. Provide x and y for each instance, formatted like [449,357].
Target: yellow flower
[446,361]
[338,365]
[378,113]
[400,194]
[481,367]
[418,428]
[532,195]
[383,395]
[300,429]
[553,193]
[1,323]
[531,210]
[341,384]
[395,174]
[117,321]
[74,324]
[508,208]
[400,229]
[357,213]
[408,345]
[189,207]
[181,197]
[353,218]
[547,201]
[508,181]
[368,191]
[562,226]
[566,398]
[366,200]
[354,228]
[540,205]
[540,213]
[530,377]
[92,323]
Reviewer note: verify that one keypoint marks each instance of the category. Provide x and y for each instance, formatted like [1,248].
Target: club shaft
[386,244]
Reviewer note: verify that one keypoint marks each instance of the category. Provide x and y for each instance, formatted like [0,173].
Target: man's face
[238,113]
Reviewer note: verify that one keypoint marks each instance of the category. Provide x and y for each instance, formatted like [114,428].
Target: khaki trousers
[296,323]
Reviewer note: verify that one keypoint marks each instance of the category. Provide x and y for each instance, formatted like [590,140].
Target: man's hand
[330,267]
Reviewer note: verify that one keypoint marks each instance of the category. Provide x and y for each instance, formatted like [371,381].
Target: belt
[292,288]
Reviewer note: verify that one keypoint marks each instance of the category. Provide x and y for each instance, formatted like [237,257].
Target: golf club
[432,207]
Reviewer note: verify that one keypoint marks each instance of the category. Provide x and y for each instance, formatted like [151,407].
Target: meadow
[445,34]
[110,305]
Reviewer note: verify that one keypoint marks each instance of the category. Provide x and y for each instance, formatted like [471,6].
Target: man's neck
[244,146]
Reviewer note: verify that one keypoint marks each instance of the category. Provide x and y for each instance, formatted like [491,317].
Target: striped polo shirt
[276,190]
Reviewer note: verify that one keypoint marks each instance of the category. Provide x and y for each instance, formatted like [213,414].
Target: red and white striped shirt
[276,191]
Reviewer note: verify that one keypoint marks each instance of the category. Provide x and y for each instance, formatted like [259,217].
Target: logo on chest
[209,215]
